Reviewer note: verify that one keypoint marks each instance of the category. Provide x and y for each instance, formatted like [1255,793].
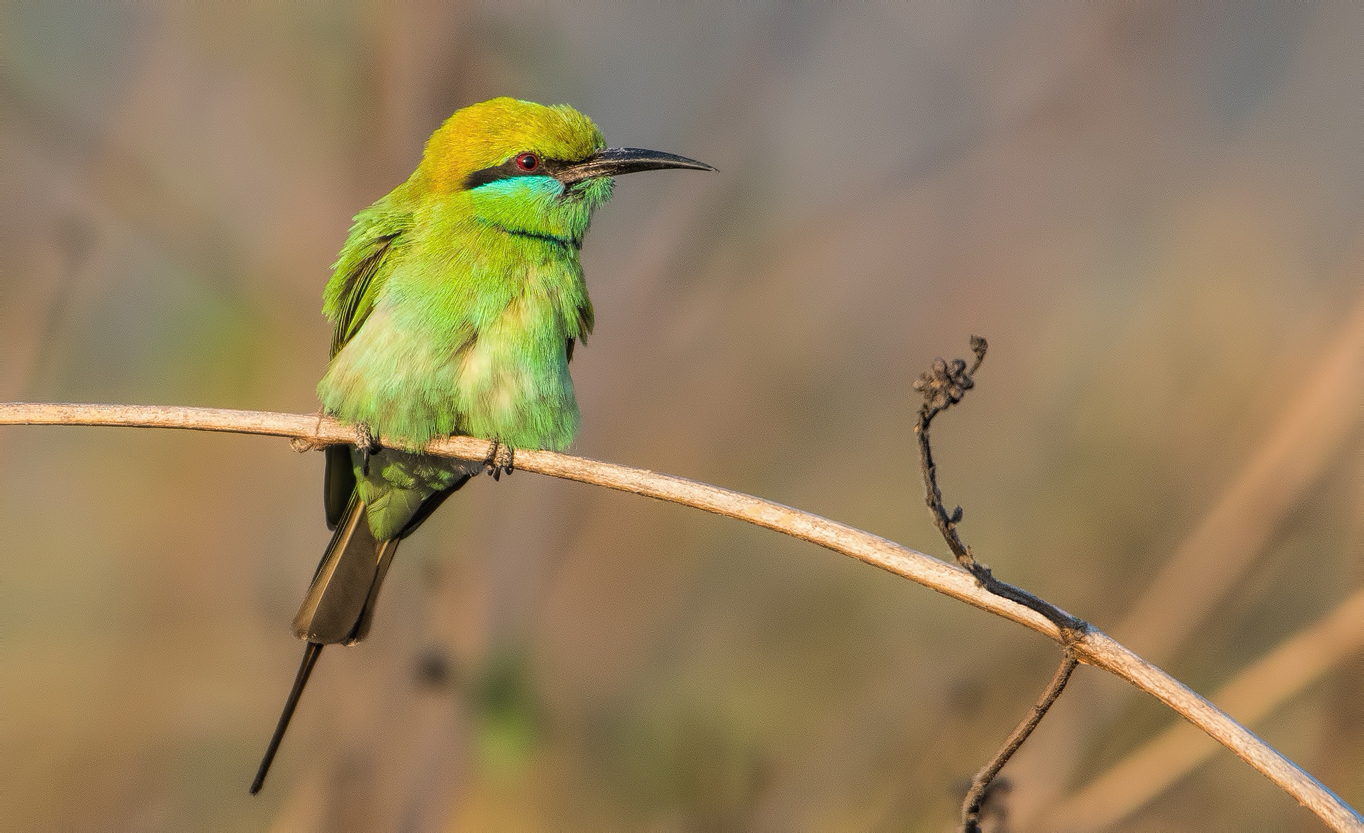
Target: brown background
[1153,211]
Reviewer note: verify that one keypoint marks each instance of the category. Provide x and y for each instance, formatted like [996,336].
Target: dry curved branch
[1323,410]
[1092,647]
[1253,694]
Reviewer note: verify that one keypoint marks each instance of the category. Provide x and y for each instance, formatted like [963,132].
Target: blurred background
[1154,211]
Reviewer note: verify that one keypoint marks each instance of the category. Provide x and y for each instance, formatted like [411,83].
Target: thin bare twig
[1091,647]
[943,386]
[980,784]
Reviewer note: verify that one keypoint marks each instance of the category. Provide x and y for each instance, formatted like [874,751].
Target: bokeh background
[1154,211]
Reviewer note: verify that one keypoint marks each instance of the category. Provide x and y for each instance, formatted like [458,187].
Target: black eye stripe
[509,169]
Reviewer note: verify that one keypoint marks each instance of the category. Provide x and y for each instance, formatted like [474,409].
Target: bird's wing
[359,275]
[357,280]
[586,318]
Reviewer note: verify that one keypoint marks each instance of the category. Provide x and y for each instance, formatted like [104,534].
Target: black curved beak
[617,161]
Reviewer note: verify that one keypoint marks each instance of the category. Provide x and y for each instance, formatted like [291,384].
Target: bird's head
[532,169]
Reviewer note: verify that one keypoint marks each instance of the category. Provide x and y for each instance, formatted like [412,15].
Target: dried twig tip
[944,384]
[978,346]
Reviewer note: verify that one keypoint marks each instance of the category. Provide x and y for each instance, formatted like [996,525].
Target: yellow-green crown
[491,132]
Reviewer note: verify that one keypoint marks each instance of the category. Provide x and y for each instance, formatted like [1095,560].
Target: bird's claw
[366,442]
[500,460]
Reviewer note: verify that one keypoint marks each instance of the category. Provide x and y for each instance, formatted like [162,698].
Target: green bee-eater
[456,301]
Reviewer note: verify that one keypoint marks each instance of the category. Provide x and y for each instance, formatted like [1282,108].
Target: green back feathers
[358,274]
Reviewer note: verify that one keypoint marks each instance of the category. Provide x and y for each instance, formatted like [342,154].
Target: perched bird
[456,302]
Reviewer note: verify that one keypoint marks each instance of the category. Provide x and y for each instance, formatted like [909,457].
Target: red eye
[527,161]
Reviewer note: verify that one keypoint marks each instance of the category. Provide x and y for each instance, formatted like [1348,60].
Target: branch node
[305,444]
[943,386]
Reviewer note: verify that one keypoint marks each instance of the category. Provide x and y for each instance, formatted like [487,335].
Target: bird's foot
[500,460]
[366,442]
